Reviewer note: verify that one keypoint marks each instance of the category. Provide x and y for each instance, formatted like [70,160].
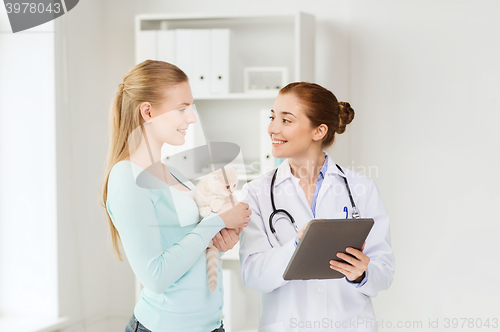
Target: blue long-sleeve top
[165,243]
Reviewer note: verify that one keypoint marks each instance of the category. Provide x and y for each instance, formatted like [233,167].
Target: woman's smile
[277,142]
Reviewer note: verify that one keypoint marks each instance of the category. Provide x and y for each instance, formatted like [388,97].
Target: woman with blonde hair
[150,207]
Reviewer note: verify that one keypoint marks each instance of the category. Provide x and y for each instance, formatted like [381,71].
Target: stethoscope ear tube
[355,212]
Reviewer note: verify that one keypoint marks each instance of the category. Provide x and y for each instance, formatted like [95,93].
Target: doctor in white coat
[309,185]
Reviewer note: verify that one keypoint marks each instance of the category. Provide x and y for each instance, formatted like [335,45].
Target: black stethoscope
[355,212]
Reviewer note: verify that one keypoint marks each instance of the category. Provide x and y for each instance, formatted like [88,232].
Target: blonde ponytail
[146,81]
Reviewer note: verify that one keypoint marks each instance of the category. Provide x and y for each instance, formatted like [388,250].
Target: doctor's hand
[235,217]
[226,239]
[301,232]
[355,272]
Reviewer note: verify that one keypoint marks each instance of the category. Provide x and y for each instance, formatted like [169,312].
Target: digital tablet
[321,242]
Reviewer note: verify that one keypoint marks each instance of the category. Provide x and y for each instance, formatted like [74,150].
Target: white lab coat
[312,305]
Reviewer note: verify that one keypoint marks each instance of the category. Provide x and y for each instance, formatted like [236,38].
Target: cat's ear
[214,176]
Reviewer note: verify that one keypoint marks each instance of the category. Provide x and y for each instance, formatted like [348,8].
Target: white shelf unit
[258,40]
[238,96]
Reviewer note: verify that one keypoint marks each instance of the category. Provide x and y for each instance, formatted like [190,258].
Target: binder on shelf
[219,60]
[146,46]
[203,54]
[184,51]
[200,82]
[165,45]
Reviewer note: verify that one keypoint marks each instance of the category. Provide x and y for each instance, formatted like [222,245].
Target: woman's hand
[226,239]
[235,217]
[355,272]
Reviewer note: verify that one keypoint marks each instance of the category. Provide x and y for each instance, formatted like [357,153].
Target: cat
[211,193]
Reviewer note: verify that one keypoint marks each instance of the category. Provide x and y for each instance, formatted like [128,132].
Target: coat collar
[285,173]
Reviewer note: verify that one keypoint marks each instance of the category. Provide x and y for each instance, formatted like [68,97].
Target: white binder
[184,51]
[146,46]
[219,62]
[200,82]
[165,45]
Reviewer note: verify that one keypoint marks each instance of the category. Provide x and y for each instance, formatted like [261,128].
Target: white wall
[28,264]
[425,81]
[89,276]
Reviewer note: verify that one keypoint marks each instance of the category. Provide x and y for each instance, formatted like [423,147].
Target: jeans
[134,326]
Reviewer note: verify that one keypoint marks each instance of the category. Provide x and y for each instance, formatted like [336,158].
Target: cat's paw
[216,204]
[205,211]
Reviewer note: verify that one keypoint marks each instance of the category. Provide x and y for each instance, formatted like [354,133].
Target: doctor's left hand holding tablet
[153,214]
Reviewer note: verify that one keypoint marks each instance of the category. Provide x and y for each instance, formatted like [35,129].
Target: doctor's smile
[277,142]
